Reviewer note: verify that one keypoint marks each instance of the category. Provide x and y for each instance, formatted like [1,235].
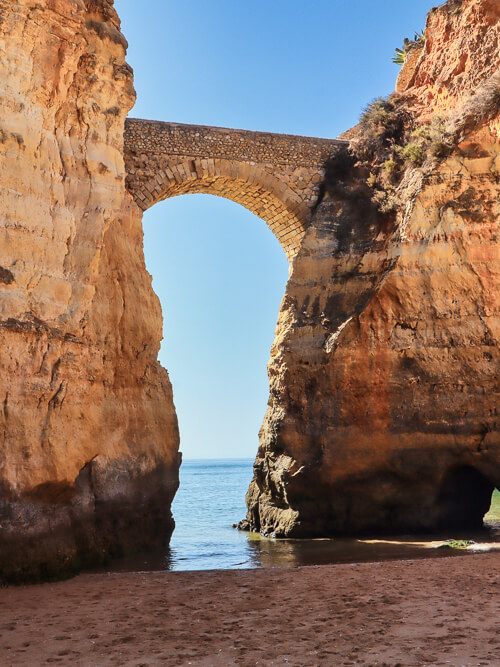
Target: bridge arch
[249,185]
[276,176]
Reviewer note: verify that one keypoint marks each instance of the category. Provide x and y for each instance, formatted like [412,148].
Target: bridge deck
[206,141]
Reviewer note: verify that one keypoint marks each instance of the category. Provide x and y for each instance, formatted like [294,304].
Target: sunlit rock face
[384,393]
[460,51]
[88,432]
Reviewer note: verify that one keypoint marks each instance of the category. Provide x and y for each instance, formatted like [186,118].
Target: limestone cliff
[383,377]
[88,432]
[384,393]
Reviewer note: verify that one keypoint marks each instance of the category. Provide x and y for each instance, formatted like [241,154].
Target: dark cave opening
[464,498]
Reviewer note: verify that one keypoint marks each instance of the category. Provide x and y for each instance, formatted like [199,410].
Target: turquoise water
[211,498]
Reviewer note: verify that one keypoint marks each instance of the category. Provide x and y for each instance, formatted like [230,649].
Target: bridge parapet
[276,176]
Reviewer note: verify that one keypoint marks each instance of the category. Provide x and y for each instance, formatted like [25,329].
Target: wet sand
[442,611]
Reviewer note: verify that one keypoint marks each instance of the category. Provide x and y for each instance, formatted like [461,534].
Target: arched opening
[257,189]
[464,498]
[220,275]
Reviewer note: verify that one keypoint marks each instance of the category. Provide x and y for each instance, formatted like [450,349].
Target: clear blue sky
[274,65]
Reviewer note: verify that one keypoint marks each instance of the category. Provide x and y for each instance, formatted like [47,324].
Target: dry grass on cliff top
[391,140]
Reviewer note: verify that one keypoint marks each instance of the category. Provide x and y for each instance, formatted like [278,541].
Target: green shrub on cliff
[412,153]
[381,125]
[427,141]
[382,128]
[400,55]
[388,144]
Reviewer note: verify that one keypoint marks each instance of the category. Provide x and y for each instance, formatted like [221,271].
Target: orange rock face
[88,432]
[384,391]
[461,51]
[384,399]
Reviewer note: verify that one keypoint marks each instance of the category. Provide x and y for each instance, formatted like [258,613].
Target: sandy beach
[423,612]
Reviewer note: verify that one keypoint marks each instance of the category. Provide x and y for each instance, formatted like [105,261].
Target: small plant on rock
[426,141]
[412,153]
[400,55]
[381,126]
[457,544]
[389,172]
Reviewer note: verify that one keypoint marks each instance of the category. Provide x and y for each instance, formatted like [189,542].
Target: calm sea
[211,498]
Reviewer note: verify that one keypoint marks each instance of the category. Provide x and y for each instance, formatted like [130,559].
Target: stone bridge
[276,176]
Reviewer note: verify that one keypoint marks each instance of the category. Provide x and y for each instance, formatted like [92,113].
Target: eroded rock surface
[88,432]
[384,391]
[383,377]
